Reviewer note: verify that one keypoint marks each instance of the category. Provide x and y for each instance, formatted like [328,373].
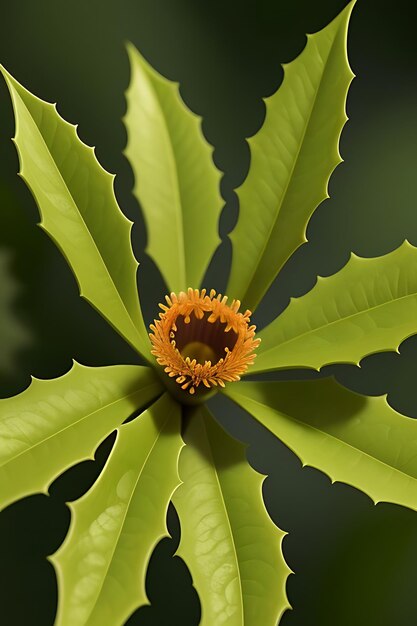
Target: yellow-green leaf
[292,158]
[353,439]
[369,306]
[115,526]
[79,211]
[56,423]
[228,540]
[176,181]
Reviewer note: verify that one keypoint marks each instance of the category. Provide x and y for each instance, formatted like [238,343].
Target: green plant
[54,424]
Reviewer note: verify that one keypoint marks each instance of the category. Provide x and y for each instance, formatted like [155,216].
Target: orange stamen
[200,339]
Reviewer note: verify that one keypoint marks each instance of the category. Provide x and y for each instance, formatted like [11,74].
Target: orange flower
[199,338]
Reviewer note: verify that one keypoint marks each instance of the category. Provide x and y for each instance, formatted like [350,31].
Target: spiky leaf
[292,157]
[369,306]
[228,540]
[353,439]
[79,211]
[102,564]
[176,181]
[56,423]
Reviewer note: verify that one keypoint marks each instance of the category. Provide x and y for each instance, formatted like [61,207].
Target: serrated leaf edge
[74,128]
[333,480]
[281,534]
[253,147]
[319,279]
[37,382]
[131,51]
[54,558]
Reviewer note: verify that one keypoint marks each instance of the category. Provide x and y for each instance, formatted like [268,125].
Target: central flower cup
[201,340]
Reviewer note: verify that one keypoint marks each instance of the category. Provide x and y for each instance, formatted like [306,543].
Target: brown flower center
[200,339]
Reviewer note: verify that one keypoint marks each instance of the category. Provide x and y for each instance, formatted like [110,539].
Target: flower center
[201,340]
[201,352]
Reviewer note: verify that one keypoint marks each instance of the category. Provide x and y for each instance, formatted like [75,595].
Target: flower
[201,340]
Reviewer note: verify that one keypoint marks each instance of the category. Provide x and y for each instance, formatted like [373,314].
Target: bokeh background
[355,563]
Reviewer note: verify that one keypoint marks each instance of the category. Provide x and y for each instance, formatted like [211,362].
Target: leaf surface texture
[56,423]
[228,540]
[115,526]
[176,181]
[292,157]
[353,439]
[369,306]
[79,211]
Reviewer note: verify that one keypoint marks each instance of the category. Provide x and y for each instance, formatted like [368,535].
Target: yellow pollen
[202,340]
[199,351]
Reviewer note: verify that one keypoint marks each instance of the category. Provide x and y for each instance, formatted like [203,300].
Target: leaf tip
[6,75]
[130,47]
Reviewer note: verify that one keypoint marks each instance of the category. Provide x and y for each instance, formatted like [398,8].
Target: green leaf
[176,181]
[102,564]
[353,439]
[292,158]
[79,211]
[369,306]
[54,424]
[228,540]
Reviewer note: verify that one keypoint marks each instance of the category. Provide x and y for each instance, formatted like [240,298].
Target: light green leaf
[176,181]
[353,439]
[79,211]
[228,540]
[292,158]
[56,423]
[102,564]
[369,306]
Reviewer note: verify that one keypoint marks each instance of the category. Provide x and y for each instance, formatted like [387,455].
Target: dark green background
[355,563]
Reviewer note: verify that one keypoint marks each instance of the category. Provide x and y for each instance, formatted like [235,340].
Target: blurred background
[355,563]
